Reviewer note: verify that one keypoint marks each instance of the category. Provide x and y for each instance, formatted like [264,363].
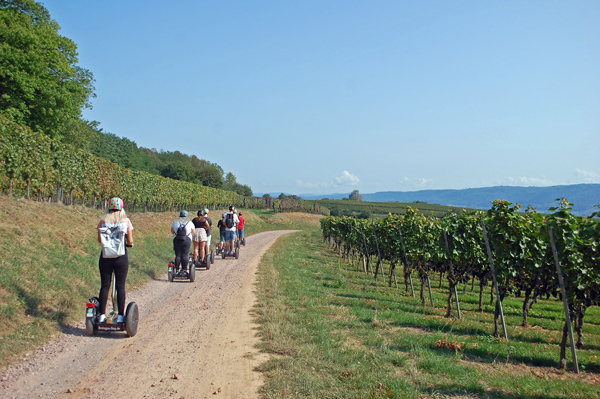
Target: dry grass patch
[297,217]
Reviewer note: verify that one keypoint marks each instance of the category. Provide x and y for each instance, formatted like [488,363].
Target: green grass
[336,333]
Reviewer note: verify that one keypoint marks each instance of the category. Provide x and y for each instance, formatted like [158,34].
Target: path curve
[194,340]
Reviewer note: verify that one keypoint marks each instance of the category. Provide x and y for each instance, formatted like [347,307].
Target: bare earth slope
[194,340]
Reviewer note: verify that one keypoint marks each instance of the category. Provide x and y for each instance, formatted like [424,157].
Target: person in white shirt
[182,239]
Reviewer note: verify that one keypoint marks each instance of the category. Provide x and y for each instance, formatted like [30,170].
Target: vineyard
[381,209]
[37,167]
[524,254]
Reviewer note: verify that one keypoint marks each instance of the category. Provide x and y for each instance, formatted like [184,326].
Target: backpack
[112,239]
[229,220]
[181,232]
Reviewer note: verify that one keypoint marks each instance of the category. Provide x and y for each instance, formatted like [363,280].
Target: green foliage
[355,196]
[283,196]
[232,185]
[349,207]
[41,85]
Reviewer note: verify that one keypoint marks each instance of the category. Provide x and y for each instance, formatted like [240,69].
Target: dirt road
[194,340]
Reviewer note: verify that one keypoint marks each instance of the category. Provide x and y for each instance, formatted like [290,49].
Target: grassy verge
[335,333]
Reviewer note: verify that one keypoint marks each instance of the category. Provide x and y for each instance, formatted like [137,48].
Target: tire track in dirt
[194,340]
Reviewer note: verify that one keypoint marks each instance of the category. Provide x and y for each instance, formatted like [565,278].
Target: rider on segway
[231,222]
[200,237]
[111,261]
[183,231]
[240,230]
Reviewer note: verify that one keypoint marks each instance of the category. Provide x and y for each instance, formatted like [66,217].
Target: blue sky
[331,96]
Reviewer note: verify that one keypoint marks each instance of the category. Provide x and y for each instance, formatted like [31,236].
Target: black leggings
[182,250]
[120,266]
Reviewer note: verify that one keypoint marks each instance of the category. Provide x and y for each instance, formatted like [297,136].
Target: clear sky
[330,96]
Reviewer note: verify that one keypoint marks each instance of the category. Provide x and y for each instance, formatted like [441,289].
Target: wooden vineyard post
[430,294]
[366,250]
[498,301]
[406,261]
[378,256]
[561,282]
[393,273]
[452,274]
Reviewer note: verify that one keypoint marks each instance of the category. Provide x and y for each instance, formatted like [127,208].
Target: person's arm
[98,229]
[130,238]
[129,235]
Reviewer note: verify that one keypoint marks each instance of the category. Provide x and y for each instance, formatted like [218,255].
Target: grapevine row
[455,247]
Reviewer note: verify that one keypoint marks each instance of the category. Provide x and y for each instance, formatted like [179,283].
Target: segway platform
[129,324]
[182,274]
[234,254]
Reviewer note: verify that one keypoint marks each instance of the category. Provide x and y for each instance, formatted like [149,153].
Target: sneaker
[119,319]
[102,318]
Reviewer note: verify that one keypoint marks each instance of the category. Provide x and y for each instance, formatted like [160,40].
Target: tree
[179,171]
[355,196]
[243,189]
[210,174]
[41,85]
[230,182]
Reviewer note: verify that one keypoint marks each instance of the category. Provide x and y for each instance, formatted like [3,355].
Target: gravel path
[194,340]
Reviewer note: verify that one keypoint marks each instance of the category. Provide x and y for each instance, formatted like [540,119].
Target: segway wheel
[237,252]
[244,241]
[212,257]
[223,254]
[89,326]
[192,272]
[131,319]
[170,277]
[208,261]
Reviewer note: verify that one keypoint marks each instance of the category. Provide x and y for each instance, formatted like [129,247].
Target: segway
[129,324]
[180,274]
[218,249]
[210,254]
[208,259]
[236,251]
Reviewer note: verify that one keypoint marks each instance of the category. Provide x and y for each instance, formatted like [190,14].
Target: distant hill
[583,197]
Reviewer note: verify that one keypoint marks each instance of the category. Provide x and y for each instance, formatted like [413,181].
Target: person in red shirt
[240,227]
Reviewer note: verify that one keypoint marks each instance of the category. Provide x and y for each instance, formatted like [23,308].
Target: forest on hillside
[43,87]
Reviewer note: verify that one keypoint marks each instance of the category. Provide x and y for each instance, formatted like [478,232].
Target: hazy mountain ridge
[584,197]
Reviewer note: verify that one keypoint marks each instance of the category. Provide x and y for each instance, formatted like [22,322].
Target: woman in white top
[114,215]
